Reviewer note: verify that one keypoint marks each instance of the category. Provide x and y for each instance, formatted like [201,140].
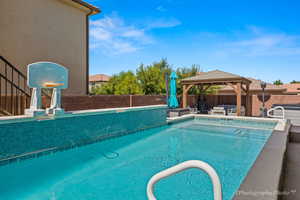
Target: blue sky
[259,39]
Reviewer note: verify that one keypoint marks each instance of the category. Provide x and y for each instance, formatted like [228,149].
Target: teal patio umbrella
[173,103]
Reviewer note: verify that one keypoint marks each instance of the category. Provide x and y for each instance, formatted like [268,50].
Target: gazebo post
[185,94]
[238,98]
[248,100]
[184,97]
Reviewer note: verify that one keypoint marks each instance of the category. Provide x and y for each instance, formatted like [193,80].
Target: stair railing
[14,93]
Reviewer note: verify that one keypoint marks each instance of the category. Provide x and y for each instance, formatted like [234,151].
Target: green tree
[194,70]
[152,77]
[120,84]
[149,80]
[185,72]
[294,82]
[278,82]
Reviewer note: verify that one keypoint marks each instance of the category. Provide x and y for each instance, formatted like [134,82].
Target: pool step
[292,173]
[295,134]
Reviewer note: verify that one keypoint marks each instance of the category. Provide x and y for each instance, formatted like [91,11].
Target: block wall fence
[71,103]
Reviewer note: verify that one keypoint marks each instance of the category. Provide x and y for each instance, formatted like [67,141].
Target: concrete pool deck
[28,118]
[292,172]
[264,179]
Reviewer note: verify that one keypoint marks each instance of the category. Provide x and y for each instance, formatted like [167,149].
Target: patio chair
[233,111]
[193,108]
[218,111]
[202,106]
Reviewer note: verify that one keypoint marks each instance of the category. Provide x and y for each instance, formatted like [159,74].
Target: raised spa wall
[24,137]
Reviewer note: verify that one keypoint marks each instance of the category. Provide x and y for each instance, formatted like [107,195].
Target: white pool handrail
[276,116]
[217,188]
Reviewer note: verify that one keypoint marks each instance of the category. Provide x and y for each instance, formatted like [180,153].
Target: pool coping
[263,181]
[25,118]
[280,126]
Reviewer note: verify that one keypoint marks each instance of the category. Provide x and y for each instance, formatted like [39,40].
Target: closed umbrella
[173,103]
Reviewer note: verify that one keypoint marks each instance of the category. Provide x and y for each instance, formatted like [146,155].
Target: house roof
[255,86]
[93,9]
[292,88]
[215,77]
[99,78]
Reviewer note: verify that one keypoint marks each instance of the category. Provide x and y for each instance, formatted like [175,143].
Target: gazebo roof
[215,77]
[218,77]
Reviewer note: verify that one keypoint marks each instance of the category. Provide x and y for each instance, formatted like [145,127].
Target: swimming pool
[120,167]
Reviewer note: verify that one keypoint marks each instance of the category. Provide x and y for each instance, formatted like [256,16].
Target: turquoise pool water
[119,168]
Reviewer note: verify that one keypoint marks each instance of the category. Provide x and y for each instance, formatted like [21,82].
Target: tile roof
[98,78]
[213,76]
[292,88]
[255,86]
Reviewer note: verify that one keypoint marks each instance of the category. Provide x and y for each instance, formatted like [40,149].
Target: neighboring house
[255,88]
[292,89]
[47,30]
[98,80]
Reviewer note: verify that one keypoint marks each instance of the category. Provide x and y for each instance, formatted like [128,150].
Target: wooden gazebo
[205,80]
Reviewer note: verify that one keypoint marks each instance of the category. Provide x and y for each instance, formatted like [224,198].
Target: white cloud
[163,23]
[258,42]
[100,33]
[113,36]
[135,33]
[161,8]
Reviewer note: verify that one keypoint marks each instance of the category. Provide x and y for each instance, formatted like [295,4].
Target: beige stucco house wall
[47,30]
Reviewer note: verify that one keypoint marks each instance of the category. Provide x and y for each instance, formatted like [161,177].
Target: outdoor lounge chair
[232,111]
[229,110]
[218,111]
[202,105]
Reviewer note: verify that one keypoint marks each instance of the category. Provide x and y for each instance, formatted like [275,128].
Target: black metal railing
[14,92]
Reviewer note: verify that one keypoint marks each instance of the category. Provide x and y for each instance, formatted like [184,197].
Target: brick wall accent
[215,100]
[273,99]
